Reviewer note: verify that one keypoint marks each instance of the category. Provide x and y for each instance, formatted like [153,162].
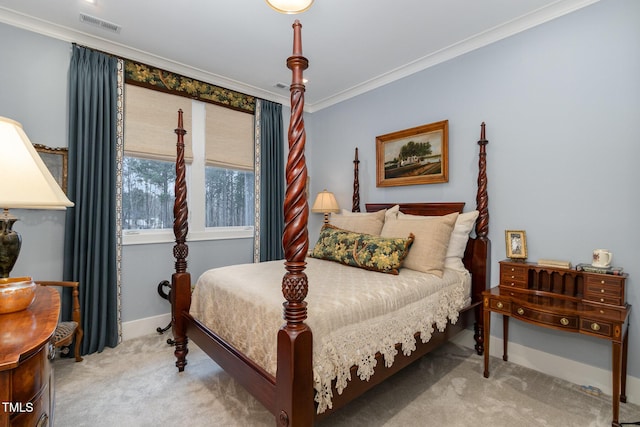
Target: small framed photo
[516,241]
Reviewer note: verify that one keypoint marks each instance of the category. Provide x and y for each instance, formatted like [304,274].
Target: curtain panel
[269,174]
[91,241]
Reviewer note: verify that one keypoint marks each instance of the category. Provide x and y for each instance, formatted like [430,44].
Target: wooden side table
[564,299]
[26,374]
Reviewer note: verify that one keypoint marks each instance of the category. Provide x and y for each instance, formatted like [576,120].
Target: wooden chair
[67,330]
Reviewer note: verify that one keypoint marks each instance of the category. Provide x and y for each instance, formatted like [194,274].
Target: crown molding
[523,23]
[59,32]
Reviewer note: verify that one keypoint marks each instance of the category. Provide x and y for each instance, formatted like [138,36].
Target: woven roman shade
[150,119]
[229,136]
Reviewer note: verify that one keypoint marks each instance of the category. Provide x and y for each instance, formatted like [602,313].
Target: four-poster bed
[286,383]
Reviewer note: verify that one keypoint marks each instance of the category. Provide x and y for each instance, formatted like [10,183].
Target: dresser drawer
[597,327]
[605,280]
[601,291]
[539,316]
[500,306]
[513,276]
[605,311]
[31,376]
[35,413]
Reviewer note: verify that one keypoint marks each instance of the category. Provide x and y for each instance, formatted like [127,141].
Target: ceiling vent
[281,86]
[100,23]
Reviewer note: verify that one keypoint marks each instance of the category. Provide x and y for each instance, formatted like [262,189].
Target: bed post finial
[356,184]
[482,198]
[294,379]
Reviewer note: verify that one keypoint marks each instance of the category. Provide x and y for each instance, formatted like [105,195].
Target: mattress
[353,314]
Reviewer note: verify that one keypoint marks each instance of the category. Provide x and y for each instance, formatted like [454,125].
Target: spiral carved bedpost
[482,245]
[355,207]
[180,298]
[295,406]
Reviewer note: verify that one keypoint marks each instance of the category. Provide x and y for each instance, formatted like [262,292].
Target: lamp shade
[25,181]
[325,203]
[290,6]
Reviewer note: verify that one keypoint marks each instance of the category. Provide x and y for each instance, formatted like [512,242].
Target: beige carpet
[137,384]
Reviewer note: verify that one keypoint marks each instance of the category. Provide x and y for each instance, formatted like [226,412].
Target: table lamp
[26,184]
[325,203]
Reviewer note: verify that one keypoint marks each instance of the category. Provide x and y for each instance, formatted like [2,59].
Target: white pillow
[459,239]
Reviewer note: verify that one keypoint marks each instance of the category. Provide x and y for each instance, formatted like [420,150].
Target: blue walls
[33,91]
[562,104]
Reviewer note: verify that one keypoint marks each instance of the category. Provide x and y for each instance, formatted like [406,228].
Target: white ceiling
[352,45]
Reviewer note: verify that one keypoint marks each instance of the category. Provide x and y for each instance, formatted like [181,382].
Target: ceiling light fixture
[290,6]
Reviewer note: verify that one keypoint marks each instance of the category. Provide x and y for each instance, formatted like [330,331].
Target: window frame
[195,175]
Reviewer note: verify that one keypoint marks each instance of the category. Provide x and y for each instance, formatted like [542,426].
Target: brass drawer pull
[513,277]
[602,281]
[513,284]
[513,269]
[499,304]
[601,299]
[602,291]
[521,311]
[595,326]
[564,321]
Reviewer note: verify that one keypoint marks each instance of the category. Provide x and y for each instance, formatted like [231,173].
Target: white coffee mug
[602,258]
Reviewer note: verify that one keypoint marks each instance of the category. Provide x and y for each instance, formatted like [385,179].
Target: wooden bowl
[16,294]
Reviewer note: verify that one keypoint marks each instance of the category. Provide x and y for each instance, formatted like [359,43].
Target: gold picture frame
[418,155]
[56,160]
[516,242]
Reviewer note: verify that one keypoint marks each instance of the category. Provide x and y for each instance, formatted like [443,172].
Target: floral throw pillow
[366,251]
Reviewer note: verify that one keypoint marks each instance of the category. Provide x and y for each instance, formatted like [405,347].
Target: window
[147,193]
[229,197]
[219,156]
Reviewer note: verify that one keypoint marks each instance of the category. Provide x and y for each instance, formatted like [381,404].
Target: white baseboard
[141,327]
[556,366]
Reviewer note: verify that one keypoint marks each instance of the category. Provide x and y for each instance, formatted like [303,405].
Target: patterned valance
[157,79]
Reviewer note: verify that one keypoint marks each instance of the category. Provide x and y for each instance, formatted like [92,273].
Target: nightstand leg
[623,379]
[617,364]
[505,336]
[487,336]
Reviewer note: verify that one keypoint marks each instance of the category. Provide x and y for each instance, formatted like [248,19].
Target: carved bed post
[180,297]
[482,245]
[294,378]
[356,184]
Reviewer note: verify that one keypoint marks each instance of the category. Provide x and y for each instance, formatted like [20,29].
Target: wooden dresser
[564,299]
[26,375]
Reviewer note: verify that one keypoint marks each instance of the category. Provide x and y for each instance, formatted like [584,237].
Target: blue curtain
[90,234]
[271,181]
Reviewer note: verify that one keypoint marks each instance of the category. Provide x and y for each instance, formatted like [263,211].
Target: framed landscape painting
[413,156]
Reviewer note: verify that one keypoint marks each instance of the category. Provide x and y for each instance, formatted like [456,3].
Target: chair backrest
[67,331]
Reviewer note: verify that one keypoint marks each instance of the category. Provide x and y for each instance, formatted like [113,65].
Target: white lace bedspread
[353,314]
